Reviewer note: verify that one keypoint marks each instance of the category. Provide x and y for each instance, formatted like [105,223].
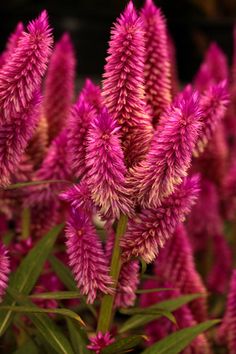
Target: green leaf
[25,223]
[28,272]
[33,309]
[147,314]
[35,183]
[176,342]
[143,267]
[29,347]
[78,337]
[124,344]
[57,295]
[154,290]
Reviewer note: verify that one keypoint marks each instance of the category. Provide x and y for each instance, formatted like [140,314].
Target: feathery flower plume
[170,153]
[59,86]
[11,44]
[157,69]
[14,136]
[81,116]
[148,232]
[213,103]
[92,95]
[175,264]
[79,197]
[123,85]
[213,70]
[100,341]
[227,331]
[86,256]
[21,75]
[105,167]
[229,192]
[4,270]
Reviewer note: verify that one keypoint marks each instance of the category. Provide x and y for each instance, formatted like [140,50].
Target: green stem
[105,315]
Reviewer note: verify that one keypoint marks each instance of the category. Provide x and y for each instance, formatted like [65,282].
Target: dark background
[192,24]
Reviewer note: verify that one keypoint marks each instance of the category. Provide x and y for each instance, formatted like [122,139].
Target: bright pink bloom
[213,103]
[81,116]
[176,265]
[86,256]
[157,70]
[11,43]
[4,270]
[213,69]
[92,95]
[79,197]
[100,341]
[21,75]
[105,167]
[227,330]
[123,85]
[59,86]
[148,232]
[170,153]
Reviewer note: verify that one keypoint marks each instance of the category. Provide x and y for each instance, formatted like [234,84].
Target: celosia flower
[79,197]
[150,229]
[92,95]
[86,256]
[213,69]
[213,103]
[11,44]
[81,116]
[157,70]
[229,192]
[123,85]
[227,330]
[100,341]
[14,136]
[128,278]
[176,265]
[105,167]
[59,86]
[4,270]
[21,75]
[170,153]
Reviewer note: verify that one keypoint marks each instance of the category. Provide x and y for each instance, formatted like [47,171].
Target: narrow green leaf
[154,290]
[57,295]
[25,223]
[143,267]
[124,344]
[176,342]
[147,315]
[78,337]
[35,183]
[28,309]
[29,347]
[28,272]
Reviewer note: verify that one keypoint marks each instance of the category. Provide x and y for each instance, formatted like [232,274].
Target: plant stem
[105,315]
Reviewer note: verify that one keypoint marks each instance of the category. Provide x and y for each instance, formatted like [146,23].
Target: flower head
[86,256]
[100,341]
[12,43]
[79,197]
[4,270]
[92,95]
[123,85]
[105,167]
[148,232]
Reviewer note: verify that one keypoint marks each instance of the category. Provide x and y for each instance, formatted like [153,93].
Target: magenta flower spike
[59,86]
[100,341]
[170,153]
[21,75]
[81,116]
[86,256]
[79,197]
[4,270]
[213,70]
[123,85]
[148,232]
[227,329]
[213,102]
[105,167]
[11,44]
[176,265]
[92,95]
[157,69]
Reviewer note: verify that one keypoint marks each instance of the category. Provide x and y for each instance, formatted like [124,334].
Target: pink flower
[157,70]
[92,95]
[148,232]
[79,197]
[123,85]
[170,153]
[100,341]
[59,86]
[86,256]
[12,44]
[21,75]
[105,168]
[4,270]
[81,116]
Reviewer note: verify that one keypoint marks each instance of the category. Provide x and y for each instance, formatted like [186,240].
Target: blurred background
[192,24]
